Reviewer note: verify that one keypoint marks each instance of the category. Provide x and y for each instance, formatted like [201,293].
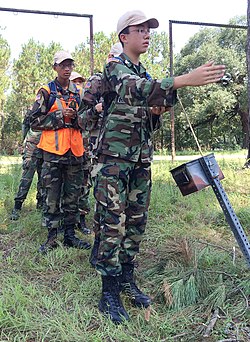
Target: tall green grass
[189,263]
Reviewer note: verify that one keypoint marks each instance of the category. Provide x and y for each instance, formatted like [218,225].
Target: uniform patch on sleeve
[87,85]
[114,59]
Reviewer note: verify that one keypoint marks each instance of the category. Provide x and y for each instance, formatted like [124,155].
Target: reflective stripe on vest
[61,140]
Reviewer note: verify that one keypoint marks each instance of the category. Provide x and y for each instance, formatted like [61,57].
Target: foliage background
[218,114]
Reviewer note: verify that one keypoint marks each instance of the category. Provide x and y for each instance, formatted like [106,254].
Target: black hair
[124,31]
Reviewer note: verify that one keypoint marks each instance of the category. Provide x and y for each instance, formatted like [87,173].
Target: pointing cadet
[125,150]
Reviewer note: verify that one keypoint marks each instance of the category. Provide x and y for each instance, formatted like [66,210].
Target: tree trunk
[244,116]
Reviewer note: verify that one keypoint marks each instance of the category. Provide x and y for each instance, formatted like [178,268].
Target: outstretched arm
[204,74]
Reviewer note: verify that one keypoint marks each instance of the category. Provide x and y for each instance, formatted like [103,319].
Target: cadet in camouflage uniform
[123,181]
[91,112]
[91,109]
[62,145]
[32,162]
[84,204]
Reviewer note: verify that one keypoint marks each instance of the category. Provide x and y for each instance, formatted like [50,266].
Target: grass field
[189,263]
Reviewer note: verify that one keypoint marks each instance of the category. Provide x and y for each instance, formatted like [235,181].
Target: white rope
[190,125]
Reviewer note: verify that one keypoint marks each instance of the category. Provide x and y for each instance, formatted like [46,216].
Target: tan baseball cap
[75,75]
[135,18]
[116,49]
[61,56]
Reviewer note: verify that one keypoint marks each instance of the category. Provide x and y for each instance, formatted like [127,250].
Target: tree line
[218,113]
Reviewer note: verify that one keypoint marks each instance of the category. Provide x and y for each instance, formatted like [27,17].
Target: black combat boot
[129,287]
[70,240]
[94,252]
[82,226]
[50,243]
[110,303]
[15,214]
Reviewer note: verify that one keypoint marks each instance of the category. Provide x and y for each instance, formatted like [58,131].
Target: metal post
[172,118]
[91,42]
[239,234]
[90,16]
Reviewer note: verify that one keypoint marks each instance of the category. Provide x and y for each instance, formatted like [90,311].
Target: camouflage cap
[75,75]
[61,56]
[116,49]
[135,18]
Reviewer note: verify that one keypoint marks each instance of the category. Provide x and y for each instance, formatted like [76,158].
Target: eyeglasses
[66,65]
[141,31]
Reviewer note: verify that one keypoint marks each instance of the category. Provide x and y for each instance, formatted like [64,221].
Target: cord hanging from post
[190,125]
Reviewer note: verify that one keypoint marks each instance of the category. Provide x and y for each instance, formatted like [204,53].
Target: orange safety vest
[61,140]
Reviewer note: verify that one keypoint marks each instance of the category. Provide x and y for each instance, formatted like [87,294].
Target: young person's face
[64,69]
[78,81]
[137,40]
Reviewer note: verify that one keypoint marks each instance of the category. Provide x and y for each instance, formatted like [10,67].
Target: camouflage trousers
[62,184]
[84,204]
[122,192]
[30,166]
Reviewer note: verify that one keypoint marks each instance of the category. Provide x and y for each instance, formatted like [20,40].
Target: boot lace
[114,301]
[131,289]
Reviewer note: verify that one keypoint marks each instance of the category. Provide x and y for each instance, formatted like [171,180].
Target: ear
[54,67]
[123,37]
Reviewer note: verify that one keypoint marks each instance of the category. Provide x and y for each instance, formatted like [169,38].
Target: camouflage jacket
[92,94]
[90,119]
[29,145]
[129,123]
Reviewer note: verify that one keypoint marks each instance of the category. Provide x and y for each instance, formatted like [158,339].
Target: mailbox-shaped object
[190,177]
[199,173]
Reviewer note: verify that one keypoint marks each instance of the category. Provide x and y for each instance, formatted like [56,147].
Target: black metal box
[190,176]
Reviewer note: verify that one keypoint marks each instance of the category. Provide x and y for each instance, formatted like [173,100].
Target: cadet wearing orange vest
[55,113]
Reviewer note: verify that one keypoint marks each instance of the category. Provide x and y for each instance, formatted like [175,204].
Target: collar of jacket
[71,88]
[140,70]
